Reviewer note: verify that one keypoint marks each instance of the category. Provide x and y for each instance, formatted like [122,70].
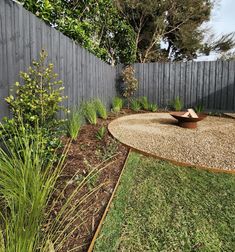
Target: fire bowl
[187,122]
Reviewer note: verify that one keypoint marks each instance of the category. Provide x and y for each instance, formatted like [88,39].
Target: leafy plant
[135,105]
[117,104]
[177,104]
[108,151]
[89,112]
[100,109]
[144,103]
[35,103]
[153,107]
[199,108]
[101,133]
[130,82]
[37,100]
[74,123]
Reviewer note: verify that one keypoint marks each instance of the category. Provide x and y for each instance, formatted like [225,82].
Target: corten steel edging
[183,164]
[92,244]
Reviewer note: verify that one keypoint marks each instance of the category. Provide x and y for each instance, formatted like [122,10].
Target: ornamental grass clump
[74,123]
[117,104]
[100,109]
[34,215]
[144,103]
[153,107]
[135,105]
[177,104]
[89,112]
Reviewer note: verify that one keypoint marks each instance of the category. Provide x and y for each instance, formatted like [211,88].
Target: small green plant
[144,103]
[153,107]
[101,133]
[199,108]
[108,151]
[100,109]
[177,104]
[135,105]
[74,123]
[37,100]
[117,104]
[89,112]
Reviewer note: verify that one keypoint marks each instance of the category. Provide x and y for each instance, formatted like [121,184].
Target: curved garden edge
[90,249]
[183,164]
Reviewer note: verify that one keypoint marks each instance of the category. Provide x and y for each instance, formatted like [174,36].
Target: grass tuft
[100,109]
[89,112]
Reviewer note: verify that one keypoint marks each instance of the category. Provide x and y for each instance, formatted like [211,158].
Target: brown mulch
[85,154]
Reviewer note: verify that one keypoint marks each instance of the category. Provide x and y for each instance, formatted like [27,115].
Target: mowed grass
[162,207]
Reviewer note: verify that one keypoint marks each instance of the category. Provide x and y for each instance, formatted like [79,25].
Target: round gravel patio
[212,144]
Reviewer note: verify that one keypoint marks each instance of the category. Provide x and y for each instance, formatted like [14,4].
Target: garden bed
[164,207]
[210,145]
[84,154]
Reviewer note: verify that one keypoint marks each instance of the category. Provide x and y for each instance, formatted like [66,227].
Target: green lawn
[163,207]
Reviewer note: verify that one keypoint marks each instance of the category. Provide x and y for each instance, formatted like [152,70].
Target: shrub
[37,100]
[89,112]
[177,104]
[117,104]
[130,82]
[199,108]
[144,103]
[74,124]
[35,103]
[101,133]
[135,105]
[100,109]
[153,107]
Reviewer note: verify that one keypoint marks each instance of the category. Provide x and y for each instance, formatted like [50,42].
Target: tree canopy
[127,31]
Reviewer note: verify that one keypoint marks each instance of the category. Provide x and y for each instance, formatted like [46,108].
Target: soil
[210,145]
[85,154]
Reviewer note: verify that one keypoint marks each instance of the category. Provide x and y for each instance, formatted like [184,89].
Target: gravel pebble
[212,144]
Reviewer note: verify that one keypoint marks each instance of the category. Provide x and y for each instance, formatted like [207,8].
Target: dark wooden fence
[23,35]
[211,84]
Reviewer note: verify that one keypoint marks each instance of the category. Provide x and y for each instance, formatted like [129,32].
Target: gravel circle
[212,144]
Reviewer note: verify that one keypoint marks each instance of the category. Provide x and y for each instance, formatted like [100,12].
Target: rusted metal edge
[92,244]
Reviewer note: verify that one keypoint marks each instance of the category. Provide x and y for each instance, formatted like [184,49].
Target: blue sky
[222,20]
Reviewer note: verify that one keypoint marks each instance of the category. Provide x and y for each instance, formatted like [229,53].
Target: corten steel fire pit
[187,122]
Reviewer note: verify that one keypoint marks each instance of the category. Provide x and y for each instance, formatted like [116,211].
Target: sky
[222,21]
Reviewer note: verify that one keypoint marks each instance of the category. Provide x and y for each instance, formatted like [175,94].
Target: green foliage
[177,23]
[199,108]
[95,25]
[100,109]
[144,103]
[101,133]
[108,151]
[153,107]
[169,208]
[38,98]
[35,103]
[177,104]
[74,123]
[135,105]
[130,82]
[89,112]
[27,187]
[117,104]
